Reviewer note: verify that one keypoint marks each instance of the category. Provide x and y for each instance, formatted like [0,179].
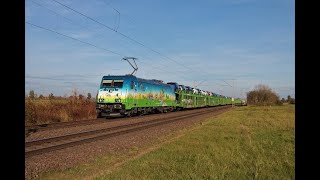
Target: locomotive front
[111,96]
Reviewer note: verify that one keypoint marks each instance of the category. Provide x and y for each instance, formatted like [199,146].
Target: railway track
[43,127]
[51,144]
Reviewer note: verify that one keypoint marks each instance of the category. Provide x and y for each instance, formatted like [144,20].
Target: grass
[49,111]
[245,143]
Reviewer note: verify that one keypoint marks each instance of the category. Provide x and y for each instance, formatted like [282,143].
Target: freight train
[127,95]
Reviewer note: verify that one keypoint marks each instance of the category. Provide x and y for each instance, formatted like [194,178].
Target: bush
[263,95]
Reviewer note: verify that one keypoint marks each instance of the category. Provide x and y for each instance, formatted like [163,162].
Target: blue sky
[211,44]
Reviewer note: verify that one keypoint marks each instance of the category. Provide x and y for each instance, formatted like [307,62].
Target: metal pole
[233,93]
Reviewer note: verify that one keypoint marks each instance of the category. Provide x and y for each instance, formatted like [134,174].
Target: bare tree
[32,95]
[89,96]
[262,95]
[81,97]
[289,99]
[51,96]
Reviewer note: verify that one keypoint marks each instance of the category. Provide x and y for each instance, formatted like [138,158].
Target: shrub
[263,95]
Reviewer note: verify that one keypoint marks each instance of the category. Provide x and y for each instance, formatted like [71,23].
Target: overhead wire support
[118,19]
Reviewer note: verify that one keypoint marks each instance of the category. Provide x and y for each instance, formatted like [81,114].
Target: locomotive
[128,95]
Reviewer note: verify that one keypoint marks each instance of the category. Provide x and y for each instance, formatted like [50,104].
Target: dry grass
[49,111]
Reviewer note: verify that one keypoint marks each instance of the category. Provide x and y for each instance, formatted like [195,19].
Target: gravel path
[72,156]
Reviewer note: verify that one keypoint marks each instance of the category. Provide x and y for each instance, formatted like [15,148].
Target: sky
[224,46]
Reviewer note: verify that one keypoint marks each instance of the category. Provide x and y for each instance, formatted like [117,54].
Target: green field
[244,143]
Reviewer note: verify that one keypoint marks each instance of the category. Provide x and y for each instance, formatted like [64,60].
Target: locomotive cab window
[118,83]
[112,83]
[106,83]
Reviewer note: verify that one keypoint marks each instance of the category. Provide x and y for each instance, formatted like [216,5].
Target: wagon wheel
[142,112]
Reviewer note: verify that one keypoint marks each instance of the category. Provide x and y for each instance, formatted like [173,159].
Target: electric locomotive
[128,95]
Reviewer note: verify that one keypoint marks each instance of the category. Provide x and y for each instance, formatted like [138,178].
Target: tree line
[33,96]
[264,95]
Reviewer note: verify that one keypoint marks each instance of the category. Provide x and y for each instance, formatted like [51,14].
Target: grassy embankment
[245,143]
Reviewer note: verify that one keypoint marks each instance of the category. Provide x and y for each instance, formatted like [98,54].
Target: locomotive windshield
[118,83]
[112,83]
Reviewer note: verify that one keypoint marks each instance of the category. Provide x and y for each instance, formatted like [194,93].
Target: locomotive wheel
[129,114]
[99,115]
